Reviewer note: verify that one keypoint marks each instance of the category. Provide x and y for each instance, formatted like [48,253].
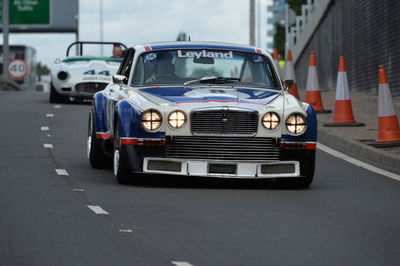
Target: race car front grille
[224,122]
[222,148]
[90,87]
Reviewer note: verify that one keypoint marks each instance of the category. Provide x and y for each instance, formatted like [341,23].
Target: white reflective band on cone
[385,103]
[288,71]
[312,79]
[342,87]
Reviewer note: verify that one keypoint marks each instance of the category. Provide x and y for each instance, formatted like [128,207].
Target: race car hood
[198,97]
[189,99]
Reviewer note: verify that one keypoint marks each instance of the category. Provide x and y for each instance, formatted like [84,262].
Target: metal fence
[367,33]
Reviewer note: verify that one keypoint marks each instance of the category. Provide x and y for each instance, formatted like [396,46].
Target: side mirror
[288,83]
[118,79]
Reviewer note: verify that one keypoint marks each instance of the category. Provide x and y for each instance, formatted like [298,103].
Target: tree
[279,39]
[42,69]
[295,5]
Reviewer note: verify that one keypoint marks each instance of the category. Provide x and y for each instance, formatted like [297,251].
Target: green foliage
[296,5]
[42,69]
[279,39]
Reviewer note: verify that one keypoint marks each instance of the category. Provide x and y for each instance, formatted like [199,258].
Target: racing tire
[120,164]
[300,182]
[95,154]
[56,97]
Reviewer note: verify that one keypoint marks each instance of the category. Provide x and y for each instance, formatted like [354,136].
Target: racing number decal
[93,72]
[90,72]
[105,73]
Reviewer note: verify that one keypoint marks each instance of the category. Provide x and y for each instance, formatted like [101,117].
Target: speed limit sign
[18,69]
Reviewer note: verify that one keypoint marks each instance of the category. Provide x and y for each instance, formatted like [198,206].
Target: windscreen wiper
[213,80]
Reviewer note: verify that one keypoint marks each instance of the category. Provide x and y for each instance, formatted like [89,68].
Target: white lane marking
[97,209]
[125,230]
[49,115]
[57,106]
[181,263]
[48,146]
[44,128]
[357,162]
[61,172]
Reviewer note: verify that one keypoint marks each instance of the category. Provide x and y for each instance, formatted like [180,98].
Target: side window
[123,63]
[126,64]
[274,79]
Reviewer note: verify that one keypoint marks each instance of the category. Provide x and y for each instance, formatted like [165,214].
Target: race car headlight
[151,120]
[270,121]
[62,75]
[176,119]
[296,124]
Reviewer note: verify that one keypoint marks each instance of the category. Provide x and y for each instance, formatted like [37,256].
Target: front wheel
[307,166]
[297,182]
[56,97]
[95,153]
[120,163]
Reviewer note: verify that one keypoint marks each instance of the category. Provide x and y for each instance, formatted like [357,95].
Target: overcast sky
[138,21]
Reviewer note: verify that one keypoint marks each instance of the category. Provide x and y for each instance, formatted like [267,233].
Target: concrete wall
[367,33]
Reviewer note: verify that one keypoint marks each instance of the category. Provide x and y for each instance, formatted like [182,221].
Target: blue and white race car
[202,109]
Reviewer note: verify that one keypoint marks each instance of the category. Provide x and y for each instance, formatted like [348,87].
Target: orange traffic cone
[313,94]
[276,62]
[389,130]
[343,115]
[288,73]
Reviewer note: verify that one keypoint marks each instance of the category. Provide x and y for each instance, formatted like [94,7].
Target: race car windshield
[199,67]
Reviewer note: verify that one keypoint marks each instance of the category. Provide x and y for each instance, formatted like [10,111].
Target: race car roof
[198,45]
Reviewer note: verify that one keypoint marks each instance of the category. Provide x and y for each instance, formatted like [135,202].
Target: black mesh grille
[223,148]
[224,122]
[90,87]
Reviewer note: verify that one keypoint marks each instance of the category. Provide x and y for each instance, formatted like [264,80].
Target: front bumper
[290,163]
[84,90]
[222,169]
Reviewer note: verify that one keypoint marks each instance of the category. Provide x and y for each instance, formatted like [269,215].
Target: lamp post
[101,26]
[252,23]
[6,51]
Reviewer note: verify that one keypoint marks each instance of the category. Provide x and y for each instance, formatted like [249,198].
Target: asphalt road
[349,216]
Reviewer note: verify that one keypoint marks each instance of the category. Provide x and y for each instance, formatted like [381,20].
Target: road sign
[63,16]
[18,69]
[24,12]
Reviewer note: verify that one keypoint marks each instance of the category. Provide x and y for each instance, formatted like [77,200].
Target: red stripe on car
[129,141]
[311,146]
[103,135]
[298,145]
